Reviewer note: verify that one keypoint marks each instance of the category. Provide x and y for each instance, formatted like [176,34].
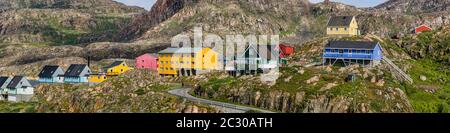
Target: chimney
[89,59]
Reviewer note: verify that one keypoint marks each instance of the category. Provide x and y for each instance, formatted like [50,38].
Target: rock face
[329,94]
[58,22]
[414,6]
[161,11]
[171,17]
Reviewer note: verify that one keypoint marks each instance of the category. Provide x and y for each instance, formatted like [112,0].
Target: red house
[286,49]
[422,28]
[147,61]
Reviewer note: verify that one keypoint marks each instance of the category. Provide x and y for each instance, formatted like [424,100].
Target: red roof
[286,49]
[422,28]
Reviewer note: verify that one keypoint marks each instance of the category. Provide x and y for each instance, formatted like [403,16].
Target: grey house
[4,81]
[50,74]
[77,73]
[19,89]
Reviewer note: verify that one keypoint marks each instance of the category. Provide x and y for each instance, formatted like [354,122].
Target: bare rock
[423,78]
[328,86]
[380,83]
[313,80]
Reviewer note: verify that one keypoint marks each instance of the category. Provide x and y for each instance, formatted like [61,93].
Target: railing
[398,71]
[354,56]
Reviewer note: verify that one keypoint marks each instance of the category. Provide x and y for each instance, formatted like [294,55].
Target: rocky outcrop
[329,94]
[161,11]
[169,18]
[144,93]
[415,6]
[59,22]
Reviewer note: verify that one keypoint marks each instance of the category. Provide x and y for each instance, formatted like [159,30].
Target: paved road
[226,107]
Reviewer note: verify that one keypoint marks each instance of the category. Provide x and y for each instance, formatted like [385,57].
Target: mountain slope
[220,17]
[415,6]
[59,22]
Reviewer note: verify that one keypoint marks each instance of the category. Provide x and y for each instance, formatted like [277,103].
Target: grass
[421,100]
[22,107]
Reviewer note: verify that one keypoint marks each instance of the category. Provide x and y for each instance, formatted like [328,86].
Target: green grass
[22,107]
[421,100]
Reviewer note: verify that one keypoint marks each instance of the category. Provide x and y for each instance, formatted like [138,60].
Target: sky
[147,4]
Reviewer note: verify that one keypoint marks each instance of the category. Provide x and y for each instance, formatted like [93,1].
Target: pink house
[147,61]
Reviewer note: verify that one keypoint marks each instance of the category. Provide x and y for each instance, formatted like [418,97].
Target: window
[345,29]
[341,51]
[121,70]
[331,29]
[337,29]
[104,77]
[143,61]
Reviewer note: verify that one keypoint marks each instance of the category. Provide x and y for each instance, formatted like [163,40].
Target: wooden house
[186,61]
[19,89]
[147,61]
[286,50]
[421,29]
[248,62]
[77,73]
[117,68]
[97,78]
[4,81]
[342,26]
[352,52]
[50,74]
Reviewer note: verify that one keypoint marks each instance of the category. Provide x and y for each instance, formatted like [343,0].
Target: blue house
[50,74]
[352,52]
[77,73]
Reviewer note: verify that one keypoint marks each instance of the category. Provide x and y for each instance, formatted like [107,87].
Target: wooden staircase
[397,71]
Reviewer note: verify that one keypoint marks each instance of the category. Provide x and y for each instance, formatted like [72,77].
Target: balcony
[347,56]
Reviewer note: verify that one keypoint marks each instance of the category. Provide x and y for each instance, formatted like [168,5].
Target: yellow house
[117,68]
[97,78]
[186,61]
[342,26]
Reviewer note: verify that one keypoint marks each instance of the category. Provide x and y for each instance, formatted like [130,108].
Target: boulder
[423,78]
[313,80]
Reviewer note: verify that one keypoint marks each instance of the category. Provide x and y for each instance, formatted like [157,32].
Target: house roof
[3,80]
[351,44]
[75,70]
[15,81]
[340,21]
[115,63]
[48,71]
[183,50]
[154,55]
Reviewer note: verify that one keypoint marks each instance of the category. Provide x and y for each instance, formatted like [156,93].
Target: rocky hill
[144,93]
[169,18]
[59,22]
[415,6]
